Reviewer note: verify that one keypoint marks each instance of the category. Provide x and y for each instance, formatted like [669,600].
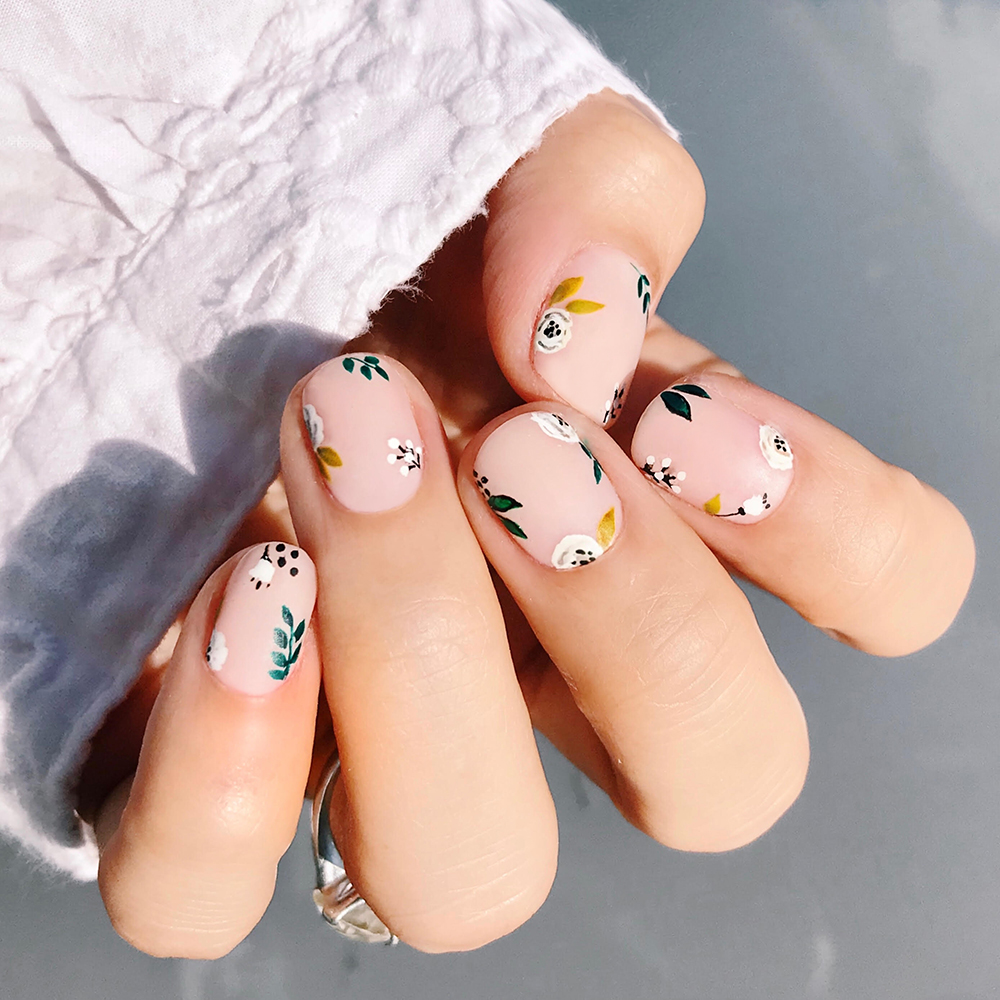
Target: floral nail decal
[289,645]
[555,328]
[217,652]
[367,364]
[676,403]
[326,458]
[554,425]
[613,406]
[500,504]
[405,454]
[753,506]
[642,287]
[663,475]
[581,550]
[775,448]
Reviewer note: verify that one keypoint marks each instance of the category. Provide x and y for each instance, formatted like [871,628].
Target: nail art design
[555,501]
[258,633]
[730,464]
[588,337]
[363,433]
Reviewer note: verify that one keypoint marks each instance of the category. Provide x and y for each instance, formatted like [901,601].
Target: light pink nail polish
[265,611]
[363,433]
[590,332]
[716,456]
[540,479]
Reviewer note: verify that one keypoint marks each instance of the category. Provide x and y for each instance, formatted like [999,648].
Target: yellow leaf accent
[329,457]
[606,529]
[565,289]
[714,505]
[583,306]
[321,467]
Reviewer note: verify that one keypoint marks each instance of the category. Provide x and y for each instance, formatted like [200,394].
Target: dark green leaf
[645,302]
[278,675]
[513,527]
[383,374]
[279,659]
[597,471]
[501,502]
[286,616]
[299,630]
[280,639]
[676,403]
[367,372]
[640,286]
[295,655]
[692,390]
[372,360]
[349,364]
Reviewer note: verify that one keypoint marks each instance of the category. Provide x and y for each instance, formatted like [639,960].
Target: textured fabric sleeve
[198,203]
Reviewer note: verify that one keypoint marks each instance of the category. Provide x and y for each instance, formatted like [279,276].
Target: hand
[644,666]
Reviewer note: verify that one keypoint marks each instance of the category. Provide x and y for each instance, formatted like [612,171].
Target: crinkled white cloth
[198,203]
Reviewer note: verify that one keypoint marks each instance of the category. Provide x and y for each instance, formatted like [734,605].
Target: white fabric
[198,203]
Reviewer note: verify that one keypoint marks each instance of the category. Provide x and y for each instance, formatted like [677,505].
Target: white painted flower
[217,651]
[576,550]
[755,505]
[405,454]
[663,475]
[554,331]
[775,448]
[314,424]
[556,427]
[263,571]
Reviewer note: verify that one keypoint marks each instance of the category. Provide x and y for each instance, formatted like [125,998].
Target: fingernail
[540,479]
[590,331]
[257,639]
[364,436]
[712,454]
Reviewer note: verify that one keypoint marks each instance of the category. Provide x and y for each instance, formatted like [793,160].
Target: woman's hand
[611,622]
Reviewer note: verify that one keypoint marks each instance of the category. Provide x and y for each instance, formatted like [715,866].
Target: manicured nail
[590,332]
[713,454]
[540,479]
[363,433]
[257,639]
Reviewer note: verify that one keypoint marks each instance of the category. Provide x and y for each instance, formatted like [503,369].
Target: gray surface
[850,261]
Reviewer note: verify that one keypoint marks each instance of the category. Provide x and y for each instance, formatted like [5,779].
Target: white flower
[314,424]
[576,550]
[217,652]
[405,454]
[755,505]
[775,448]
[263,571]
[556,427]
[663,475]
[554,330]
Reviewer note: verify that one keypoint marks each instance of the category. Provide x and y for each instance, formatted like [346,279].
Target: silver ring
[335,896]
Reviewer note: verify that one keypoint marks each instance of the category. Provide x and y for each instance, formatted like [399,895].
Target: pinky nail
[712,454]
[257,639]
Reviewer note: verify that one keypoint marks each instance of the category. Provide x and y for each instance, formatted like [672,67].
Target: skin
[433,670]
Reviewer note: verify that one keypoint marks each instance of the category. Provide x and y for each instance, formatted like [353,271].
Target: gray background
[849,260]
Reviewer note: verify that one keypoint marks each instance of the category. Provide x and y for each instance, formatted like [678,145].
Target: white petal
[555,426]
[776,459]
[393,442]
[574,549]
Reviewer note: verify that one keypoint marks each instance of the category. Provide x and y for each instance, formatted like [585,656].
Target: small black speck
[293,571]
[280,547]
[258,585]
[281,561]
[294,553]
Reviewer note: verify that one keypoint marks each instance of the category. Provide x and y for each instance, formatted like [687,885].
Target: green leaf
[295,655]
[297,634]
[279,659]
[645,302]
[278,675]
[597,471]
[676,403]
[565,289]
[501,502]
[692,390]
[280,639]
[372,360]
[286,616]
[639,286]
[383,374]
[329,456]
[349,364]
[513,527]
[367,372]
[583,306]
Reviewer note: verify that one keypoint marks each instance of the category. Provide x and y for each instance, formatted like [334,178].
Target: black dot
[294,553]
[294,571]
[281,561]
[258,585]
[280,547]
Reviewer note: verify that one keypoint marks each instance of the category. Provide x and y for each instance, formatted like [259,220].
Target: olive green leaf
[583,306]
[692,390]
[513,527]
[329,457]
[565,289]
[676,403]
[501,502]
[280,639]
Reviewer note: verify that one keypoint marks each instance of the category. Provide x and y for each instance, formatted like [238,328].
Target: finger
[190,847]
[442,814]
[584,235]
[859,547]
[706,740]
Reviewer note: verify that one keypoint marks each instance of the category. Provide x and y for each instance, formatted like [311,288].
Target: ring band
[335,896]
